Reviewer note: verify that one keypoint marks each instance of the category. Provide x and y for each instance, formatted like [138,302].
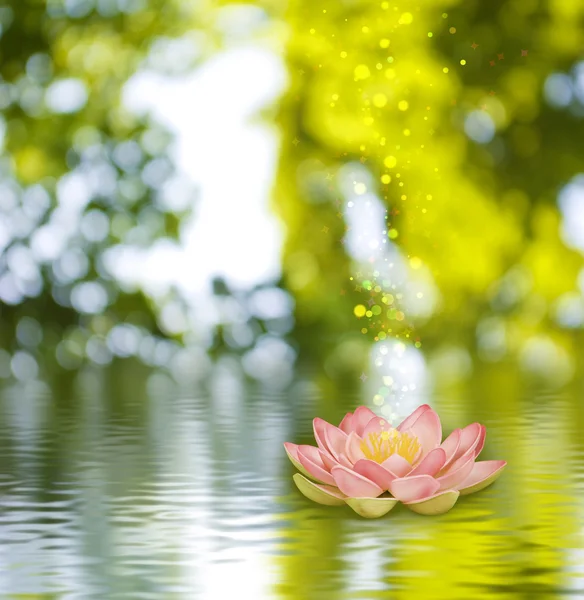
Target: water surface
[126,485]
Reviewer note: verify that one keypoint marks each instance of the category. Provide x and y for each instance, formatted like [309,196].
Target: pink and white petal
[343,460]
[483,474]
[315,471]
[450,446]
[361,417]
[371,508]
[346,424]
[313,453]
[457,473]
[335,440]
[397,464]
[413,417]
[353,448]
[354,485]
[376,425]
[327,460]
[431,463]
[322,494]
[438,504]
[292,452]
[328,437]
[318,426]
[481,443]
[374,472]
[409,489]
[469,439]
[428,430]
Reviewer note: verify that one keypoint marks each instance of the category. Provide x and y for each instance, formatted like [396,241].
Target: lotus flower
[364,458]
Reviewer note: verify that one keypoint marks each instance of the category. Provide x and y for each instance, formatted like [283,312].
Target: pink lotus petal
[413,417]
[353,448]
[327,460]
[292,452]
[354,485]
[374,472]
[450,446]
[469,439]
[322,494]
[483,474]
[457,473]
[438,504]
[318,427]
[397,464]
[409,489]
[376,425]
[346,424]
[323,458]
[428,430]
[481,443]
[316,471]
[361,417]
[431,463]
[335,439]
[312,453]
[344,461]
[329,438]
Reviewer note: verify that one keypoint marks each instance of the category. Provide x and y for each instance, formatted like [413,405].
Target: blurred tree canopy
[79,173]
[468,118]
[461,118]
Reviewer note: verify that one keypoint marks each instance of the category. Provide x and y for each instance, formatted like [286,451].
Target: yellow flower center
[381,445]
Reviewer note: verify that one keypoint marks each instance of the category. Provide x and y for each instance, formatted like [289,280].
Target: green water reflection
[125,484]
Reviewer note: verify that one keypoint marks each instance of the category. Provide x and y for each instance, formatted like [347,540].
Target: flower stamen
[379,446]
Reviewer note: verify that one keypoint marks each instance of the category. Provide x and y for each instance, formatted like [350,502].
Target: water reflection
[123,483]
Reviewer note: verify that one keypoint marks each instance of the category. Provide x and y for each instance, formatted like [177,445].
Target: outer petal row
[370,508]
[322,494]
[483,474]
[438,504]
[373,508]
[310,459]
[292,452]
[456,474]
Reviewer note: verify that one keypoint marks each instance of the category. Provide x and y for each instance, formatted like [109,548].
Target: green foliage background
[386,86]
[482,217]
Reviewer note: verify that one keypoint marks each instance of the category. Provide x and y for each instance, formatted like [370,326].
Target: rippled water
[127,486]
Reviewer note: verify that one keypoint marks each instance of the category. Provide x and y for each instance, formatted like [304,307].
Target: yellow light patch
[415,262]
[380,100]
[362,72]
